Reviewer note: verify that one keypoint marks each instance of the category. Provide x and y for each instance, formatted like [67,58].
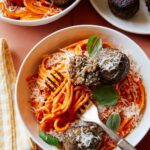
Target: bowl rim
[59,31]
[57,16]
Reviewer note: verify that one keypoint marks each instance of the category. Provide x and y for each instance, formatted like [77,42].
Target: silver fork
[91,115]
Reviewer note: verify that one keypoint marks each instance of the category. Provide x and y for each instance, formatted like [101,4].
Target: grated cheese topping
[37,96]
[132,110]
[85,139]
[111,56]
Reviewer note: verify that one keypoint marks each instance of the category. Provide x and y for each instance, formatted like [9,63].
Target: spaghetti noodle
[130,107]
[29,10]
[63,98]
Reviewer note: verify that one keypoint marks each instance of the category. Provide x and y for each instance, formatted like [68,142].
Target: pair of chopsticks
[13,135]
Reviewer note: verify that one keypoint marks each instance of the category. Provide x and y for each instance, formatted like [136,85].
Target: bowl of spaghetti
[34,12]
[56,80]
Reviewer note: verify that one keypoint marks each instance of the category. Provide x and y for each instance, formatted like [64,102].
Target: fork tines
[83,108]
[57,76]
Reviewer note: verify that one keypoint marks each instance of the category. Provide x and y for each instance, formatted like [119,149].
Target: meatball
[106,67]
[124,8]
[84,70]
[62,2]
[114,65]
[148,4]
[83,137]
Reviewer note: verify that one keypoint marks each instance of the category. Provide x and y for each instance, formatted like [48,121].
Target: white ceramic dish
[62,38]
[139,24]
[41,21]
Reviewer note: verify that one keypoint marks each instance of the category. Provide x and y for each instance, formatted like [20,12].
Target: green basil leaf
[113,122]
[49,139]
[106,95]
[94,45]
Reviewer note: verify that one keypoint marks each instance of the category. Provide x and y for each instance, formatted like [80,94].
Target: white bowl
[139,24]
[62,38]
[41,21]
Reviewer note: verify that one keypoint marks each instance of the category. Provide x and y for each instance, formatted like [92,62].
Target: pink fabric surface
[22,39]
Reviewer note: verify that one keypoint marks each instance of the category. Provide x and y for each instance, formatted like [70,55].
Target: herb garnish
[106,95]
[49,139]
[94,45]
[113,121]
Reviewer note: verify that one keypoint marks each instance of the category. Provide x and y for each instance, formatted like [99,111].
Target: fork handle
[124,145]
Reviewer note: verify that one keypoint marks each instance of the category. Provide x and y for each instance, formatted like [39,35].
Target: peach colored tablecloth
[22,39]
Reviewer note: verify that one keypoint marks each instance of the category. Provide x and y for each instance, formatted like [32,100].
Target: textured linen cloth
[13,135]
